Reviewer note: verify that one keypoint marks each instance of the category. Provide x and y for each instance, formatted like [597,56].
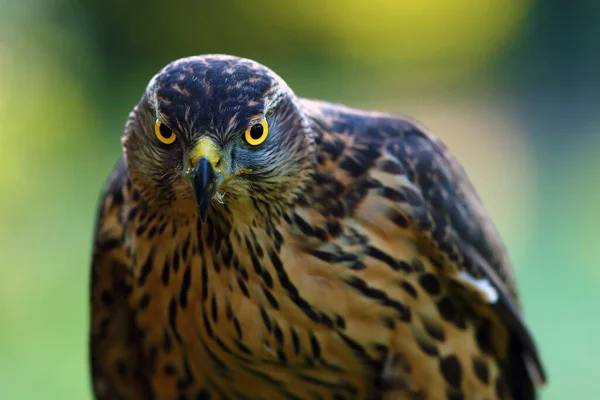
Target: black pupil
[165,131]
[256,131]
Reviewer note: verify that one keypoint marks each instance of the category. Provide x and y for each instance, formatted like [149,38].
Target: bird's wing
[458,232]
[114,356]
[446,216]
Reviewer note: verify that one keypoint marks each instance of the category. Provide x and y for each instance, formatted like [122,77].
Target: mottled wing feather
[115,359]
[461,231]
[460,234]
[448,219]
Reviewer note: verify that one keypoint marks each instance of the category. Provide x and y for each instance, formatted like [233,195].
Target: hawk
[252,244]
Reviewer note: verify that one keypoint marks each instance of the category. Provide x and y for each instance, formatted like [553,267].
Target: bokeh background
[512,86]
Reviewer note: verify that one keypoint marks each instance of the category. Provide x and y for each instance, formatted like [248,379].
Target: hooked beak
[204,182]
[204,158]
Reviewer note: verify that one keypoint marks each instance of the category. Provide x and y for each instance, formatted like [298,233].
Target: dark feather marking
[167,343]
[132,214]
[282,356]
[173,319]
[238,328]
[291,289]
[146,268]
[409,288]
[242,346]
[267,278]
[213,309]
[108,245]
[140,230]
[204,290]
[314,344]
[345,385]
[304,227]
[243,287]
[397,218]
[340,321]
[451,370]
[107,298]
[380,296]
[206,323]
[264,376]
[384,257]
[266,319]
[176,260]
[228,310]
[144,301]
[277,333]
[166,272]
[427,348]
[356,348]
[270,298]
[222,345]
[188,378]
[152,232]
[481,370]
[295,340]
[434,331]
[185,287]
[186,247]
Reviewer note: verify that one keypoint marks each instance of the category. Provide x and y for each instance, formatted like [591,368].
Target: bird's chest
[257,309]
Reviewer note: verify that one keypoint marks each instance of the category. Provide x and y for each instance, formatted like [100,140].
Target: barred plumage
[350,259]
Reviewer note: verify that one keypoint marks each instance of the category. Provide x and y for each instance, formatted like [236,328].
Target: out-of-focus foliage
[508,84]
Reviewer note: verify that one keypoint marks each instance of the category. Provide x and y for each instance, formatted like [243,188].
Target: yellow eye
[163,133]
[257,133]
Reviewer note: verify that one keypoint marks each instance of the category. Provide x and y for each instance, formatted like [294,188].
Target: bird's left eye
[257,133]
[164,133]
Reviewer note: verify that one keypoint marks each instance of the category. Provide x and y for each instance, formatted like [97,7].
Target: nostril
[218,164]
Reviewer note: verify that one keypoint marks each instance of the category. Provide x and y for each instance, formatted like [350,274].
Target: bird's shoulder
[399,159]
[109,216]
[112,322]
[385,169]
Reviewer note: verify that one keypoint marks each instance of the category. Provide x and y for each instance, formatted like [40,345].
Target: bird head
[218,129]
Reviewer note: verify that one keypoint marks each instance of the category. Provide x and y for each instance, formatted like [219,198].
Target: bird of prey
[252,244]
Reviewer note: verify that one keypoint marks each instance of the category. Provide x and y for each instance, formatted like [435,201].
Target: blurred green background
[512,86]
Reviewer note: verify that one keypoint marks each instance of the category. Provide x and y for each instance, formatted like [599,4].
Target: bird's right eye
[164,133]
